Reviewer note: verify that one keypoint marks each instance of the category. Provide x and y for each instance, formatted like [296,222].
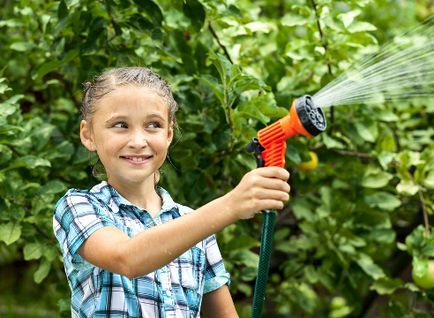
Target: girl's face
[131,133]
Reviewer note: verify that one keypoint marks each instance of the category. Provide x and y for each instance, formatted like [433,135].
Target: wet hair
[125,76]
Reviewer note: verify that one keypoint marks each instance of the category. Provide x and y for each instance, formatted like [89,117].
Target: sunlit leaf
[369,267]
[387,286]
[383,200]
[32,251]
[42,271]
[377,179]
[10,232]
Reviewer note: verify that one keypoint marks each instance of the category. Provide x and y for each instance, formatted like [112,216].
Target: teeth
[136,159]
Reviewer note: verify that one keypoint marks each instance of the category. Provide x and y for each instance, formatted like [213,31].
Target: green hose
[264,262]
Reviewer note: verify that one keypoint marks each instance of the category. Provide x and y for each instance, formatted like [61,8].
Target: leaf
[194,10]
[409,158]
[32,251]
[383,200]
[42,271]
[9,106]
[150,9]
[21,46]
[302,210]
[407,187]
[223,66]
[4,88]
[247,258]
[293,20]
[382,235]
[332,143]
[348,17]
[369,267]
[429,180]
[46,68]
[386,142]
[10,232]
[249,111]
[242,242]
[428,250]
[368,133]
[376,179]
[215,86]
[361,27]
[52,187]
[385,158]
[386,116]
[420,266]
[386,286]
[62,10]
[29,162]
[258,26]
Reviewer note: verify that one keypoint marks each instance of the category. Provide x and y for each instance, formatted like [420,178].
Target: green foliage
[352,229]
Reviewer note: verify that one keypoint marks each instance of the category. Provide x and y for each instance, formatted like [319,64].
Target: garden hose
[269,150]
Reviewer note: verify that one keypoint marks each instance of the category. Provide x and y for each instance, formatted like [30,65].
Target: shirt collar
[117,200]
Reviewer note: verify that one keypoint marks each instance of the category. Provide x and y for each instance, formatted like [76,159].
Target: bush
[346,242]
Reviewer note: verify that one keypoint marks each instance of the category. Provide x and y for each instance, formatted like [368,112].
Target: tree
[354,227]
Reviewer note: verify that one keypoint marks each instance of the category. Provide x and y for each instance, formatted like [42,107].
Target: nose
[138,139]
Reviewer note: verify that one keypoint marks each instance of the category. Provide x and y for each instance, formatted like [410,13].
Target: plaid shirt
[175,290]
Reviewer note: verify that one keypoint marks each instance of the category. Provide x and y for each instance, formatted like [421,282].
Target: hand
[259,189]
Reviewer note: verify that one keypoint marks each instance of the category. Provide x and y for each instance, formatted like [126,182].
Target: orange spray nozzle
[304,118]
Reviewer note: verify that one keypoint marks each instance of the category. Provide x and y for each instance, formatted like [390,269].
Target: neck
[143,195]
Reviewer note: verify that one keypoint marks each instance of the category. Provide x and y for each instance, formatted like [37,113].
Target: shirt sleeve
[215,271]
[77,215]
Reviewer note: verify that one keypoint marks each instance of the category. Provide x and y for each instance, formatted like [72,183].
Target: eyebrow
[155,115]
[116,118]
[123,117]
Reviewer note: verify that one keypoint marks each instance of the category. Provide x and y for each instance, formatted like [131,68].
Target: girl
[129,250]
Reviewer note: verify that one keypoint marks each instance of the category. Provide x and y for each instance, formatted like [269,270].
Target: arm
[218,304]
[111,249]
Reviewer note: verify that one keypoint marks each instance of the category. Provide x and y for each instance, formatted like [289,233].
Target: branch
[325,46]
[425,214]
[214,34]
[41,232]
[356,154]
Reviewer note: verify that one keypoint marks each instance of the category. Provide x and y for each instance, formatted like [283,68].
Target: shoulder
[76,199]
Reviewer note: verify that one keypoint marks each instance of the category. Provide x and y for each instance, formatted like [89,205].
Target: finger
[273,195]
[271,205]
[273,184]
[274,172]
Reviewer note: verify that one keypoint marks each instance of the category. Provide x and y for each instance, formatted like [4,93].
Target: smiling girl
[129,249]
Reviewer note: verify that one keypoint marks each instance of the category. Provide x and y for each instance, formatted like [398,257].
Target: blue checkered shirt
[175,290]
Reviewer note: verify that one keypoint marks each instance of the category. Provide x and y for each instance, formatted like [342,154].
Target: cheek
[161,144]
[110,144]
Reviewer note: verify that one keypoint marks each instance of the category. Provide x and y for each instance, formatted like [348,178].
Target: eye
[154,124]
[120,124]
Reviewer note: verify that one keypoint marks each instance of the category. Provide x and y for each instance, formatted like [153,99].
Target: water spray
[401,69]
[269,150]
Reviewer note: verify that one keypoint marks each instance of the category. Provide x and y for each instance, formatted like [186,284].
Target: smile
[136,159]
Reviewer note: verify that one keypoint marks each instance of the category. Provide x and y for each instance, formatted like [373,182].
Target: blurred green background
[355,227]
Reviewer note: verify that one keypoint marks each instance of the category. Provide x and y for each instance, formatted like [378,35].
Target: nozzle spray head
[303,118]
[311,117]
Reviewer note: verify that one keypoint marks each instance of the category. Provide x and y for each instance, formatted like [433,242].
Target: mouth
[136,159]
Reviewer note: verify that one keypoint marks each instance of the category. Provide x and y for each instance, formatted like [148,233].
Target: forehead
[131,99]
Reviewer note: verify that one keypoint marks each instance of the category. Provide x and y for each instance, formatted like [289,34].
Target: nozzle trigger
[257,148]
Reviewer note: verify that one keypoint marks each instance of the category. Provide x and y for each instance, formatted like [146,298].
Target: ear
[170,133]
[86,135]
